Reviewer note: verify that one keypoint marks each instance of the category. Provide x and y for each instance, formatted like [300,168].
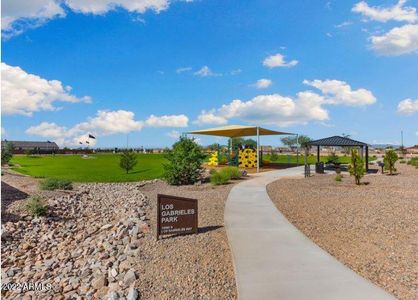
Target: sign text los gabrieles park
[176,215]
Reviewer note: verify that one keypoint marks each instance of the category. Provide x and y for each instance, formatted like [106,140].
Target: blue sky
[151,69]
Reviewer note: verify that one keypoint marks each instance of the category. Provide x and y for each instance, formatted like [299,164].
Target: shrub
[389,160]
[128,161]
[356,167]
[266,162]
[402,161]
[332,158]
[223,160]
[36,207]
[413,162]
[274,157]
[184,162]
[338,178]
[219,177]
[56,184]
[7,153]
[233,172]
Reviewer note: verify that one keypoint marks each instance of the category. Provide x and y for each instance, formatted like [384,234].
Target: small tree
[292,141]
[304,140]
[389,160]
[184,162]
[128,161]
[6,153]
[289,141]
[356,167]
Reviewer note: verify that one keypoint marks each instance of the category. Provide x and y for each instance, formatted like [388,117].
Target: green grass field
[105,167]
[96,168]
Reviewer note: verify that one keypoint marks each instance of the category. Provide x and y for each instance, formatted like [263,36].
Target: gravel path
[371,228]
[98,241]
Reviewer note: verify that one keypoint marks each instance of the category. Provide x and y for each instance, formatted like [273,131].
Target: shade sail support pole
[231,151]
[258,149]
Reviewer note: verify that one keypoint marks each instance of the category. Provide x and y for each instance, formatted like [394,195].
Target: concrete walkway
[273,260]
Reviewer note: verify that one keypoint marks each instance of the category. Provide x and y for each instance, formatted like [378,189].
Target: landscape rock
[133,294]
[129,278]
[77,242]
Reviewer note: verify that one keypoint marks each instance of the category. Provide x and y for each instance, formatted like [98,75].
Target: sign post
[176,215]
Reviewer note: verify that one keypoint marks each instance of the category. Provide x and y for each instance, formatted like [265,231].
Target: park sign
[176,215]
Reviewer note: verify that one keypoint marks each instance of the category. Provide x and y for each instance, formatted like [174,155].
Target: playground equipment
[247,158]
[232,131]
[213,159]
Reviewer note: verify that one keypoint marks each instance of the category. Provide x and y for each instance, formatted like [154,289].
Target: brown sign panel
[176,215]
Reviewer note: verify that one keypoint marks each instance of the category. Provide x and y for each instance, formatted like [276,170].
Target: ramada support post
[367,158]
[318,157]
[258,149]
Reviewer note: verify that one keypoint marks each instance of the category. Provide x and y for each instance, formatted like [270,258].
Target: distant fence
[84,151]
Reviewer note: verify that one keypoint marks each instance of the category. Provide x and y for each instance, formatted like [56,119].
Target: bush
[356,167]
[56,184]
[233,172]
[128,161]
[36,207]
[266,162]
[332,158]
[184,162]
[274,157]
[389,160]
[413,162]
[402,161]
[219,177]
[7,153]
[223,160]
[338,178]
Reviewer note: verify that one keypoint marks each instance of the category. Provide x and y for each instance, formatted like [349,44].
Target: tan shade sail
[237,131]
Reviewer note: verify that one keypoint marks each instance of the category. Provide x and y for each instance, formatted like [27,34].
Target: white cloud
[206,118]
[3,131]
[174,134]
[278,60]
[111,122]
[274,109]
[236,71]
[399,40]
[46,129]
[416,133]
[280,110]
[104,123]
[397,12]
[205,71]
[99,7]
[339,92]
[19,15]
[408,107]
[263,83]
[183,69]
[167,121]
[343,24]
[23,93]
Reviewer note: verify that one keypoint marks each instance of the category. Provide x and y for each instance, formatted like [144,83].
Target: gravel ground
[99,241]
[15,188]
[191,266]
[371,228]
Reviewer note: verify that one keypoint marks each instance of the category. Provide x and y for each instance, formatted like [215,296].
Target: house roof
[32,144]
[237,131]
[336,141]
